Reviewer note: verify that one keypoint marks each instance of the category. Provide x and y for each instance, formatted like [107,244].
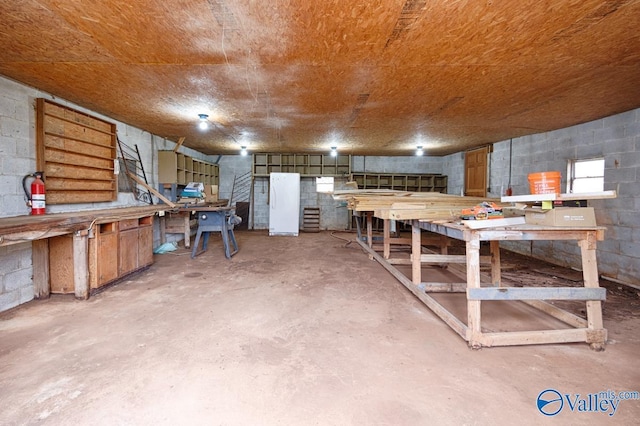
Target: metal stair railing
[132,162]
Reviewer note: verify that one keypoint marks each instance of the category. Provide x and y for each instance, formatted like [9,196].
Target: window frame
[572,178]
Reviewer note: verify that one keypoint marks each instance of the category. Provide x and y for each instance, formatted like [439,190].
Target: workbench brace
[216,220]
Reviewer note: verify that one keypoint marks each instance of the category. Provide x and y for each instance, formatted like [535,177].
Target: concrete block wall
[617,140]
[400,164]
[16,286]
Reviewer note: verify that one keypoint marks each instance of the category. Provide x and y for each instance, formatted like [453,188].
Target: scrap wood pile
[402,205]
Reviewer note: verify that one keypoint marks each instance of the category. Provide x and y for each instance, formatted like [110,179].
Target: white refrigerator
[284,204]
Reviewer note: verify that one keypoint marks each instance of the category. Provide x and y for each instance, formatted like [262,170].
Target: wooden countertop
[17,229]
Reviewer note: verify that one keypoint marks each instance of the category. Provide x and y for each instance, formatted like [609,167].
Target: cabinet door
[107,258]
[167,167]
[145,245]
[128,251]
[61,271]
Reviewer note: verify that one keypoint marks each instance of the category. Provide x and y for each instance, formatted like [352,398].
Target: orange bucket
[545,182]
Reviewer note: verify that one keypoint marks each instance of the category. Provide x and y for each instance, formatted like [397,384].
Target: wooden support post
[369,228]
[474,330]
[387,237]
[81,264]
[590,274]
[179,144]
[187,228]
[496,277]
[40,261]
[163,230]
[416,252]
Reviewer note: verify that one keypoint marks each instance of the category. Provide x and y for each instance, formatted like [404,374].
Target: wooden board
[76,151]
[536,198]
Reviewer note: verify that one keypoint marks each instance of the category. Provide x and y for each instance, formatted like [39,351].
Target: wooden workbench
[590,330]
[38,230]
[182,220]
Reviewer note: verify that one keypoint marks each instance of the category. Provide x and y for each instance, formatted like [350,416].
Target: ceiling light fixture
[419,151]
[334,151]
[243,150]
[203,124]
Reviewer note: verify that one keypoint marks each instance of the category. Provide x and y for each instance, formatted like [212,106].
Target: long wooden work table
[479,287]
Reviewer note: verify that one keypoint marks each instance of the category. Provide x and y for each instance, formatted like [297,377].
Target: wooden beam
[557,313]
[494,223]
[536,293]
[450,319]
[451,258]
[179,144]
[537,337]
[430,287]
[153,191]
[533,198]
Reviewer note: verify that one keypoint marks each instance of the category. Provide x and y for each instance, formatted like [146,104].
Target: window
[585,175]
[324,184]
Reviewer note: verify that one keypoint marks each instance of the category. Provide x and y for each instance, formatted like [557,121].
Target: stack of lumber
[399,205]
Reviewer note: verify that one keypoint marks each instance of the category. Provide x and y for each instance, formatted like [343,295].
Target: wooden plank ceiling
[374,77]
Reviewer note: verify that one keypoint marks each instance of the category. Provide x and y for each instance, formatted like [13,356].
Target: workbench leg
[163,229]
[496,277]
[81,264]
[387,237]
[416,252]
[444,248]
[369,228]
[187,229]
[40,262]
[598,335]
[474,329]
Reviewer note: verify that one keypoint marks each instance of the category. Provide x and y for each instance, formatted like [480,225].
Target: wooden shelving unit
[177,168]
[401,182]
[309,165]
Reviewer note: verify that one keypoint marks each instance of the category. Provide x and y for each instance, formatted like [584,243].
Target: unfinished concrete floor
[291,331]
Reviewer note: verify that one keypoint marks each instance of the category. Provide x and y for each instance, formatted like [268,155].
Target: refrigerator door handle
[274,198]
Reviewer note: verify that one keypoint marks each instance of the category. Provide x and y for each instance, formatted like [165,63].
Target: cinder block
[619,175]
[9,300]
[13,128]
[629,218]
[26,294]
[17,279]
[620,120]
[589,151]
[629,189]
[7,107]
[609,133]
[629,158]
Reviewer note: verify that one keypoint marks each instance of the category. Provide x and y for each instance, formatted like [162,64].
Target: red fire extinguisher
[35,197]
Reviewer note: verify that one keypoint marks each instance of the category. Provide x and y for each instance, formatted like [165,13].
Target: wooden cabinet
[177,168]
[127,246]
[116,249]
[305,164]
[401,182]
[103,255]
